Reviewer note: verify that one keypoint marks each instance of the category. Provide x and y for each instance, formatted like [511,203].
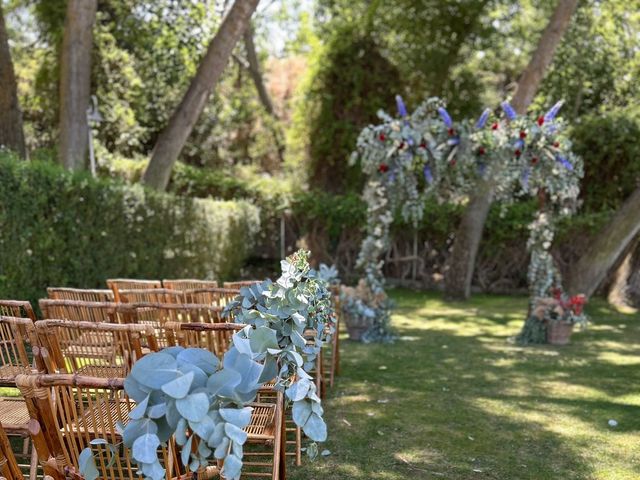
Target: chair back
[99,312]
[211,296]
[241,283]
[158,314]
[215,337]
[188,284]
[17,339]
[105,350]
[17,308]
[117,284]
[151,295]
[68,411]
[81,294]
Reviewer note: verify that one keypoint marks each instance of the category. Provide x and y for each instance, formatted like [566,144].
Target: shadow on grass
[453,399]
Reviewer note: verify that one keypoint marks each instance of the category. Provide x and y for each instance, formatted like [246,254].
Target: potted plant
[366,313]
[559,314]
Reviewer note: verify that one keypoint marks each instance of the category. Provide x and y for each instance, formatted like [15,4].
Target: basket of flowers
[560,313]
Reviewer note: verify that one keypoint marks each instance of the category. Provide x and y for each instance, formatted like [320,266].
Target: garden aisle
[453,400]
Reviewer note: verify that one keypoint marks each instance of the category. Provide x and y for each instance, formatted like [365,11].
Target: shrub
[66,229]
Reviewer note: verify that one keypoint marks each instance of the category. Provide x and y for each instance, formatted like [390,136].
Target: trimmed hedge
[63,229]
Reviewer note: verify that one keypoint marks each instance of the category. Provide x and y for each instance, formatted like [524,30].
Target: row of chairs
[97,342]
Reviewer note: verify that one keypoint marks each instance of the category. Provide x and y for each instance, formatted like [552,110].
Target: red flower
[451,132]
[453,162]
[517,153]
[556,144]
[481,151]
[382,137]
[557,293]
[383,168]
[540,121]
[423,145]
[494,126]
[534,160]
[523,134]
[577,303]
[401,145]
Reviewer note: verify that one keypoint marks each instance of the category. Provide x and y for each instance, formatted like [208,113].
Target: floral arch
[410,157]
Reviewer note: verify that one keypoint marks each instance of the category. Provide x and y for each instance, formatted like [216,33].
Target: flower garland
[410,157]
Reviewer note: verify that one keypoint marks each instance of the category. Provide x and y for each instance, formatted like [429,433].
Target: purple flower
[427,174]
[402,110]
[482,168]
[566,163]
[525,179]
[509,111]
[453,141]
[446,118]
[410,142]
[483,118]
[553,111]
[519,144]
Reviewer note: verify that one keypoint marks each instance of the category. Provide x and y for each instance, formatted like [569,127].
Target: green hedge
[62,229]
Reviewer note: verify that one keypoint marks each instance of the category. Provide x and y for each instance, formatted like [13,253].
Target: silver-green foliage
[190,394]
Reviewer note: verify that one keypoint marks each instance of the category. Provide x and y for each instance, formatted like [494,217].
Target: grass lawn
[452,399]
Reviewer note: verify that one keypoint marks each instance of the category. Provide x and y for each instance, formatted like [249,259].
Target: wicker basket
[559,333]
[356,326]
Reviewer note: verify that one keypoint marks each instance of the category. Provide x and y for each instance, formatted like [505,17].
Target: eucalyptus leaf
[179,388]
[199,357]
[186,451]
[240,417]
[145,448]
[221,450]
[301,411]
[234,433]
[87,465]
[154,370]
[232,467]
[315,428]
[193,407]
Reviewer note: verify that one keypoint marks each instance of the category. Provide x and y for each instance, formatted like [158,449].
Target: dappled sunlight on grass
[453,399]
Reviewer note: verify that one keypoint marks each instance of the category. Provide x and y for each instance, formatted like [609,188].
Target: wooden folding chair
[98,312]
[80,294]
[211,296]
[158,314]
[152,295]
[117,284]
[241,283]
[188,284]
[104,350]
[17,308]
[68,411]
[18,350]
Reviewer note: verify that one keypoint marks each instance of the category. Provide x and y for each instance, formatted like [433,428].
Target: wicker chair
[17,308]
[189,284]
[241,283]
[17,347]
[98,312]
[211,296]
[68,411]
[158,314]
[215,337]
[117,284]
[9,468]
[80,294]
[152,295]
[94,349]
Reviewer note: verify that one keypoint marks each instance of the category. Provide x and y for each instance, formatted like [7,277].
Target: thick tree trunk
[75,82]
[11,132]
[172,139]
[461,263]
[604,251]
[263,94]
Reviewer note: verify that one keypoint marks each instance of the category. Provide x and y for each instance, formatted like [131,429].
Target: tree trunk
[604,251]
[75,82]
[11,132]
[172,139]
[461,263]
[258,81]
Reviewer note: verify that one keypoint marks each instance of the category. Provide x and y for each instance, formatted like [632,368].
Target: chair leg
[33,466]
[298,447]
[282,446]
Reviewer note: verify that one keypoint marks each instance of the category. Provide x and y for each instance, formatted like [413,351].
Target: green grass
[453,399]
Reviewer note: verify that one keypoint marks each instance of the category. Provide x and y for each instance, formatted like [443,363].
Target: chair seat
[9,372]
[14,415]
